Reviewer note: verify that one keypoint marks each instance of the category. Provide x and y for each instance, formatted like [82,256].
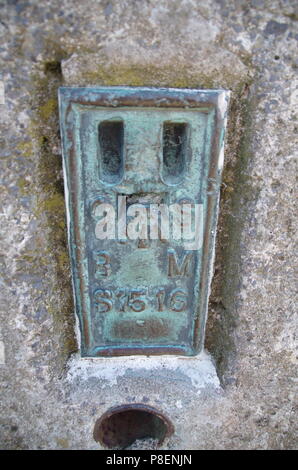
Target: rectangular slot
[110,137]
[174,151]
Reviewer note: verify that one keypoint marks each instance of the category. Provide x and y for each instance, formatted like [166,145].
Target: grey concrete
[249,47]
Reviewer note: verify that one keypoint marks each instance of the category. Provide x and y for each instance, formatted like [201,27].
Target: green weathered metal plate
[131,152]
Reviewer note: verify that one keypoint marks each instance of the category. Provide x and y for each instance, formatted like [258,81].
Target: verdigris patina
[142,174]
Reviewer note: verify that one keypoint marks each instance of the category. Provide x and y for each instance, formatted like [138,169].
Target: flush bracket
[137,153]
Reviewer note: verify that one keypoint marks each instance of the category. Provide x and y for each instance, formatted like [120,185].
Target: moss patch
[50,207]
[166,76]
[48,109]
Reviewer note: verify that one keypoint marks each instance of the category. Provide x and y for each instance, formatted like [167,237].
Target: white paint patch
[223,100]
[67,210]
[199,369]
[221,158]
[2,93]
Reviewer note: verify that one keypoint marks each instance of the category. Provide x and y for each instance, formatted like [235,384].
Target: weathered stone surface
[248,47]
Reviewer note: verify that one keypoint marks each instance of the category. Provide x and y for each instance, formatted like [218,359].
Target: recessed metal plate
[142,175]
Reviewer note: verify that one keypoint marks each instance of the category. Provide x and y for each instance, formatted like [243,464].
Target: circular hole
[121,426]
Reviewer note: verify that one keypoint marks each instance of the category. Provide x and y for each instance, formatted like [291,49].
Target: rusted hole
[119,427]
